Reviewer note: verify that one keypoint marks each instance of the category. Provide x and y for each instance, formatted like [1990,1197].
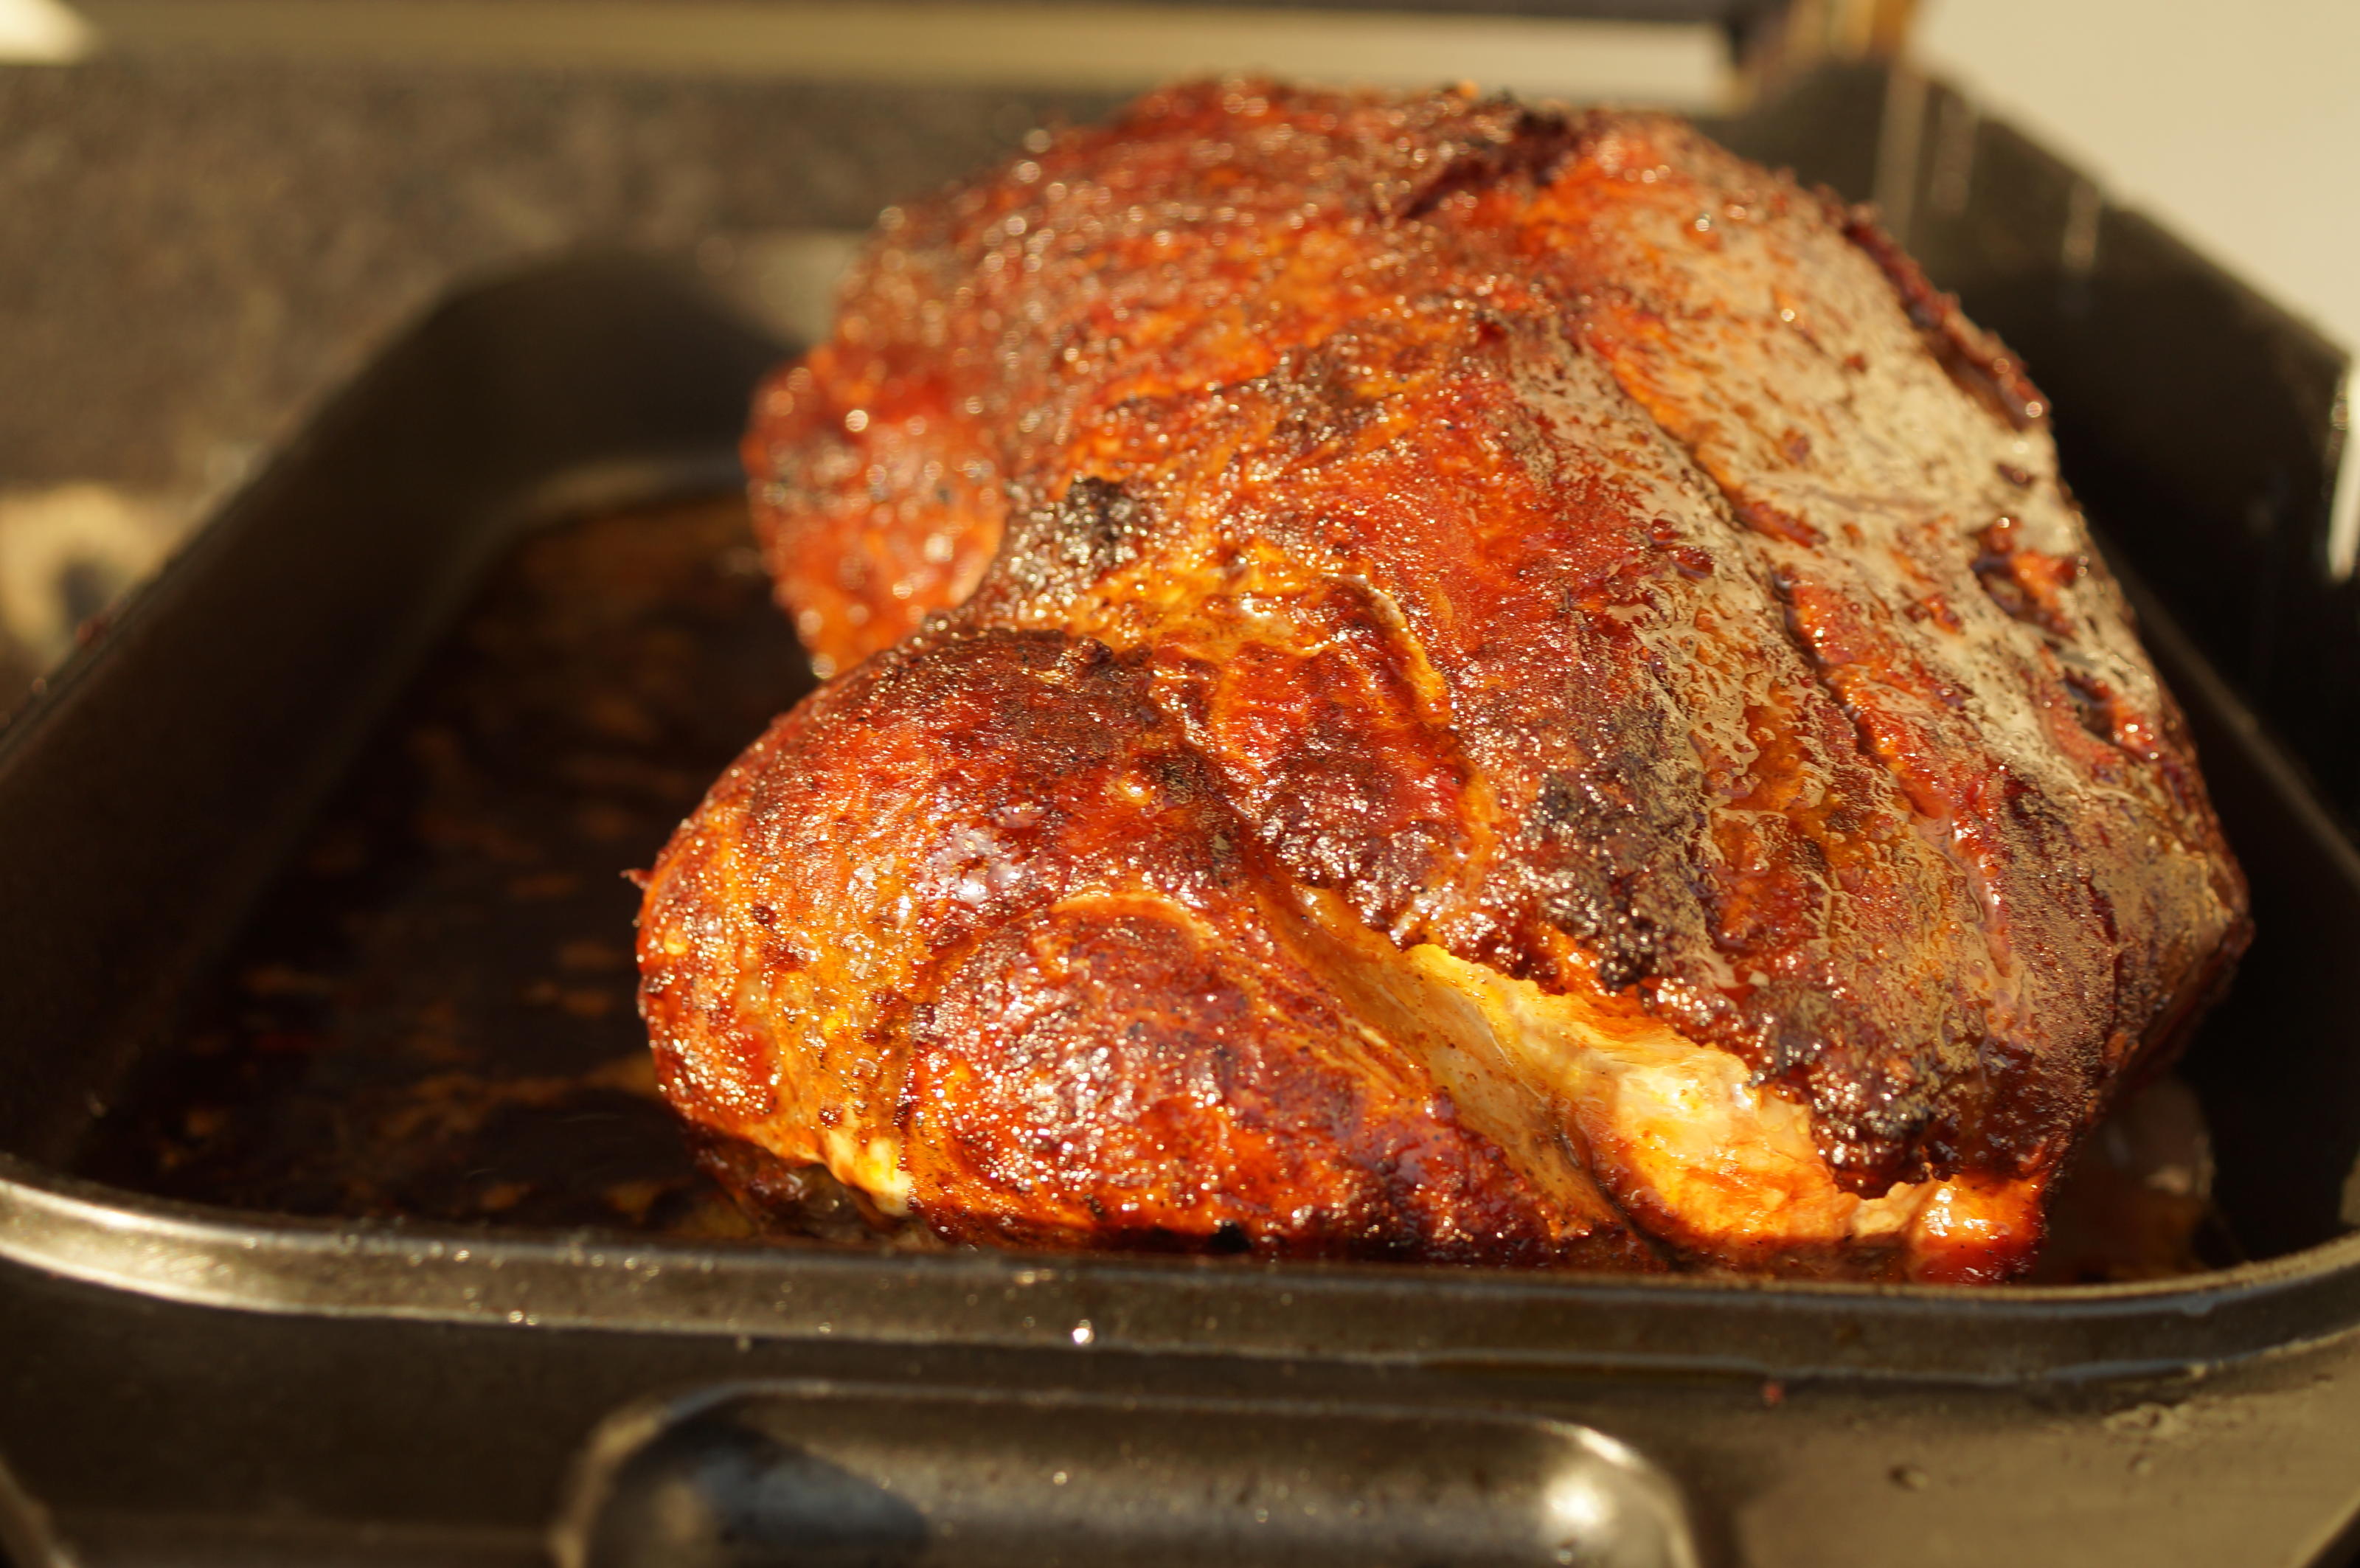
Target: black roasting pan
[198,1383]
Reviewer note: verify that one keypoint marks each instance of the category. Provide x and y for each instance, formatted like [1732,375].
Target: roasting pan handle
[841,1474]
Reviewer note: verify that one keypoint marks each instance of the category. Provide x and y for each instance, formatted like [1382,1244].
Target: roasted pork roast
[1420,678]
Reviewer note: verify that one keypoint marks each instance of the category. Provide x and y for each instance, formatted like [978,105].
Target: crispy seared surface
[1503,685]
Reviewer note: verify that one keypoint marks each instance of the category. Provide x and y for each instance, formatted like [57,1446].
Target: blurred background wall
[2237,125]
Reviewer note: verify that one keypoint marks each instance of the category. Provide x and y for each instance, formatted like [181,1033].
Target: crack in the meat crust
[1757,542]
[1863,740]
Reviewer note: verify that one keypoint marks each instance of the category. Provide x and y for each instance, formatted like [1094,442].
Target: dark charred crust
[1605,843]
[1538,142]
[1378,823]
[1974,359]
[1869,1108]
[1065,548]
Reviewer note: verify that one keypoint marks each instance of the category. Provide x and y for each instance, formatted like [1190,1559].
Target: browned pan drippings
[431,1015]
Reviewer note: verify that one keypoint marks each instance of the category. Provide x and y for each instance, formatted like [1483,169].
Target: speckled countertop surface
[195,253]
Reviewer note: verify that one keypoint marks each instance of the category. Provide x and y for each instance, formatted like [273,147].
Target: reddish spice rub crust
[1020,929]
[1575,720]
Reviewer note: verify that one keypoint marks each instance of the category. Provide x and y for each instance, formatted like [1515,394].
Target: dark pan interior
[429,1015]
[161,783]
[228,990]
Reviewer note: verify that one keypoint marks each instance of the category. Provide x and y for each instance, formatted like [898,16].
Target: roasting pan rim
[206,1256]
